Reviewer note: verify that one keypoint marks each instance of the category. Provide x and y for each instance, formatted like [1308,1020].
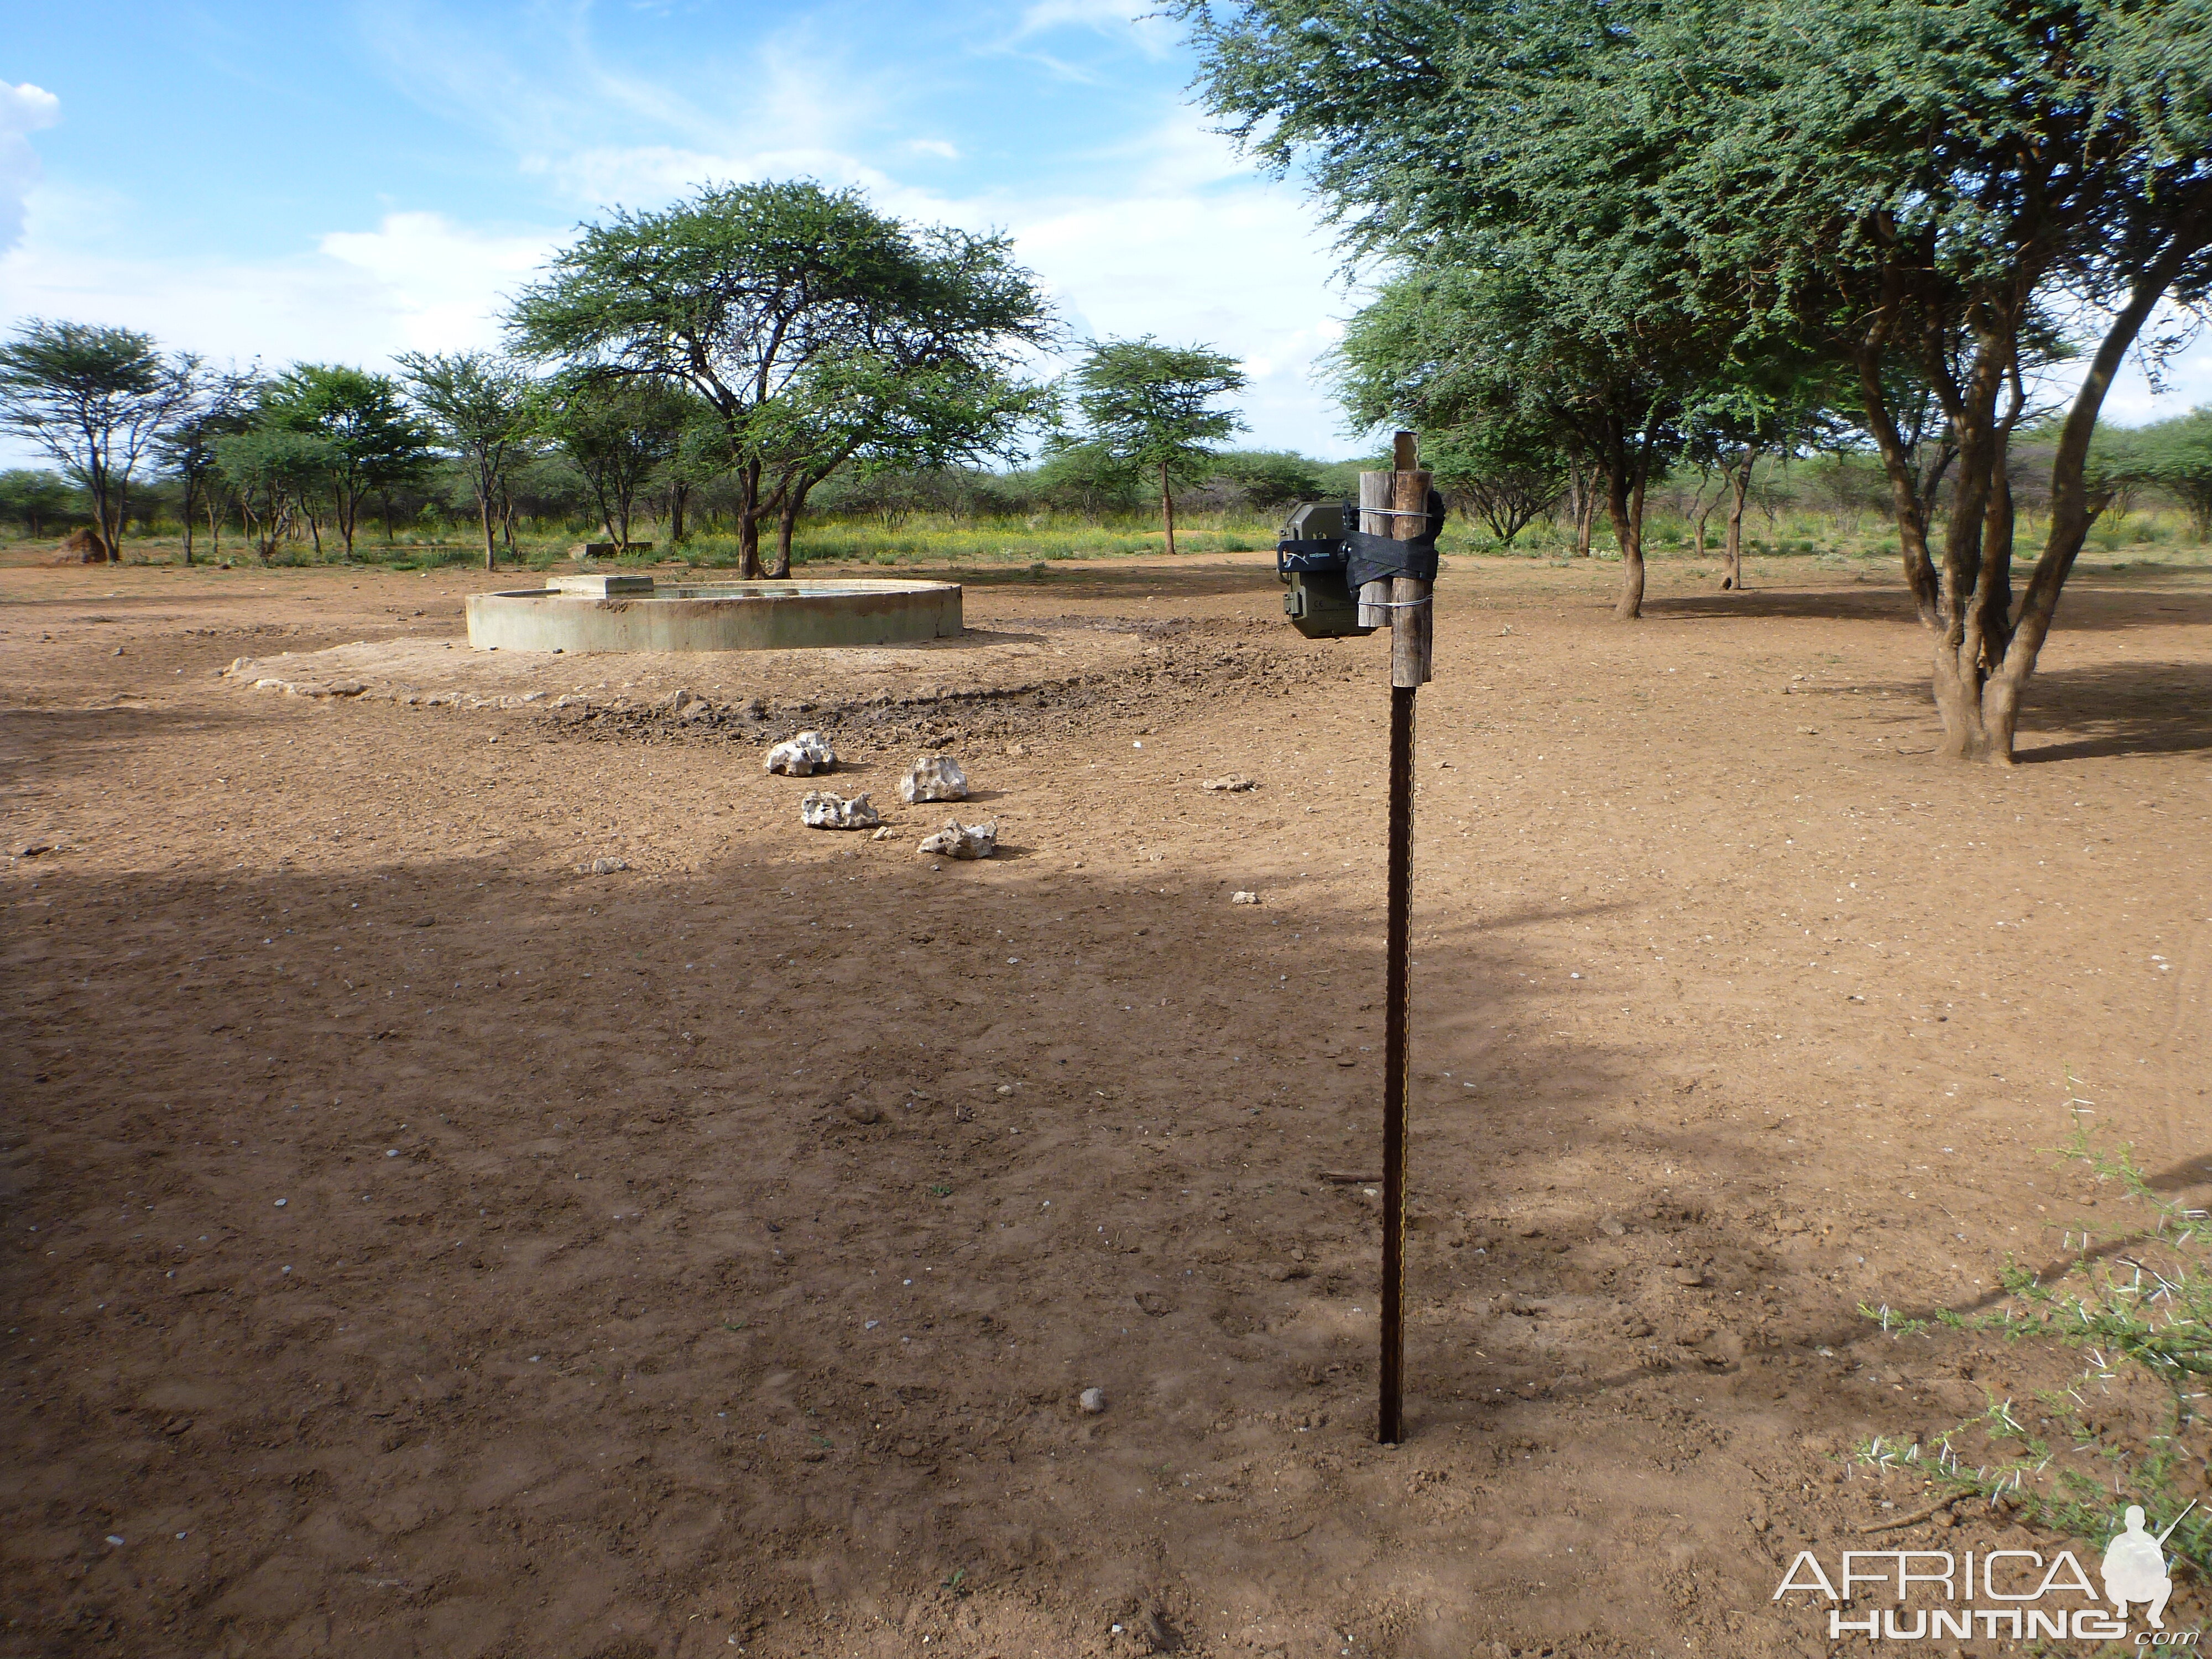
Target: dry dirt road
[420,1247]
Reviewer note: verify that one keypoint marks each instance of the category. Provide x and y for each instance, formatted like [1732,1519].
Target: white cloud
[23,111]
[416,283]
[1191,248]
[1153,35]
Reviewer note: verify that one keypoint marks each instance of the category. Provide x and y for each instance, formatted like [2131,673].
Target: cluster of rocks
[930,777]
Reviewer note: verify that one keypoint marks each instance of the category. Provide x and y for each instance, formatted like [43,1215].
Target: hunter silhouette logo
[2135,1567]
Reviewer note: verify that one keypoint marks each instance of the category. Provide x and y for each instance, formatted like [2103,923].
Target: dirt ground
[425,1248]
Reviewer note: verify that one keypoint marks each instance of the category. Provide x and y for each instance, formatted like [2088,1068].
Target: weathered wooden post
[1404,603]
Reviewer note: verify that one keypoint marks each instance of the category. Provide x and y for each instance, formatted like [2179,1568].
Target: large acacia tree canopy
[740,290]
[1744,159]
[1915,198]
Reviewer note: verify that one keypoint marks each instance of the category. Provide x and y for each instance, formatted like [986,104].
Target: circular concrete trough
[630,613]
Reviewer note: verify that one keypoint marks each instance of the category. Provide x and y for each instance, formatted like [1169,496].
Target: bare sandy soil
[422,1247]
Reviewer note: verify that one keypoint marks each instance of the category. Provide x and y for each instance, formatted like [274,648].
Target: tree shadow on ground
[2184,601]
[2119,709]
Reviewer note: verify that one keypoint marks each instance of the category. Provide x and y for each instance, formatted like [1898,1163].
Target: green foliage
[1087,478]
[220,405]
[372,440]
[94,399]
[2176,455]
[1147,410]
[2136,1302]
[484,409]
[1265,479]
[1147,406]
[1642,203]
[33,499]
[617,434]
[271,469]
[819,331]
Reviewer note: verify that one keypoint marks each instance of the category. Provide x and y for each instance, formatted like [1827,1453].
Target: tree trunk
[786,520]
[314,528]
[484,487]
[678,492]
[1626,507]
[1739,487]
[1167,509]
[384,499]
[749,507]
[215,531]
[1625,478]
[188,525]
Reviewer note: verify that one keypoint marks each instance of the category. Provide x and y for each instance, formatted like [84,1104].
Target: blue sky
[342,182]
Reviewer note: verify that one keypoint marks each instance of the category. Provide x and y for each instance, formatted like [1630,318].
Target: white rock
[1243,897]
[964,841]
[807,753]
[883,834]
[1093,1401]
[1232,782]
[820,810]
[933,777]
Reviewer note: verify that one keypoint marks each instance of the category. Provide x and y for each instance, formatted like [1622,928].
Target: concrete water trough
[631,613]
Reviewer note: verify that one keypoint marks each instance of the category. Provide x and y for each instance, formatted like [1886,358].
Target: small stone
[1611,1227]
[802,756]
[1241,896]
[1230,782]
[933,777]
[883,834]
[1092,1401]
[1791,1223]
[602,867]
[818,809]
[1015,751]
[1688,1276]
[863,1111]
[964,841]
[1006,1088]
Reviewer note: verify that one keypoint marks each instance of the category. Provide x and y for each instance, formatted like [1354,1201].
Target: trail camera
[1309,558]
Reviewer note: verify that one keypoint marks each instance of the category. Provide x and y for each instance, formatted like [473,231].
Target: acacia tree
[1148,409]
[272,472]
[482,408]
[759,297]
[865,411]
[372,441]
[1942,191]
[2175,454]
[221,406]
[618,433]
[1922,192]
[1485,351]
[29,497]
[95,399]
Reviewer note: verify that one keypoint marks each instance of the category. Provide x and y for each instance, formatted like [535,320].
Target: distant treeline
[2166,465]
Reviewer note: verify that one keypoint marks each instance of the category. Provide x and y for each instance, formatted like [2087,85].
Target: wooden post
[1412,632]
[1412,639]
[1377,494]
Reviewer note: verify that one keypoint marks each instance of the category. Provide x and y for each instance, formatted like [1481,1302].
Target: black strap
[1375,558]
